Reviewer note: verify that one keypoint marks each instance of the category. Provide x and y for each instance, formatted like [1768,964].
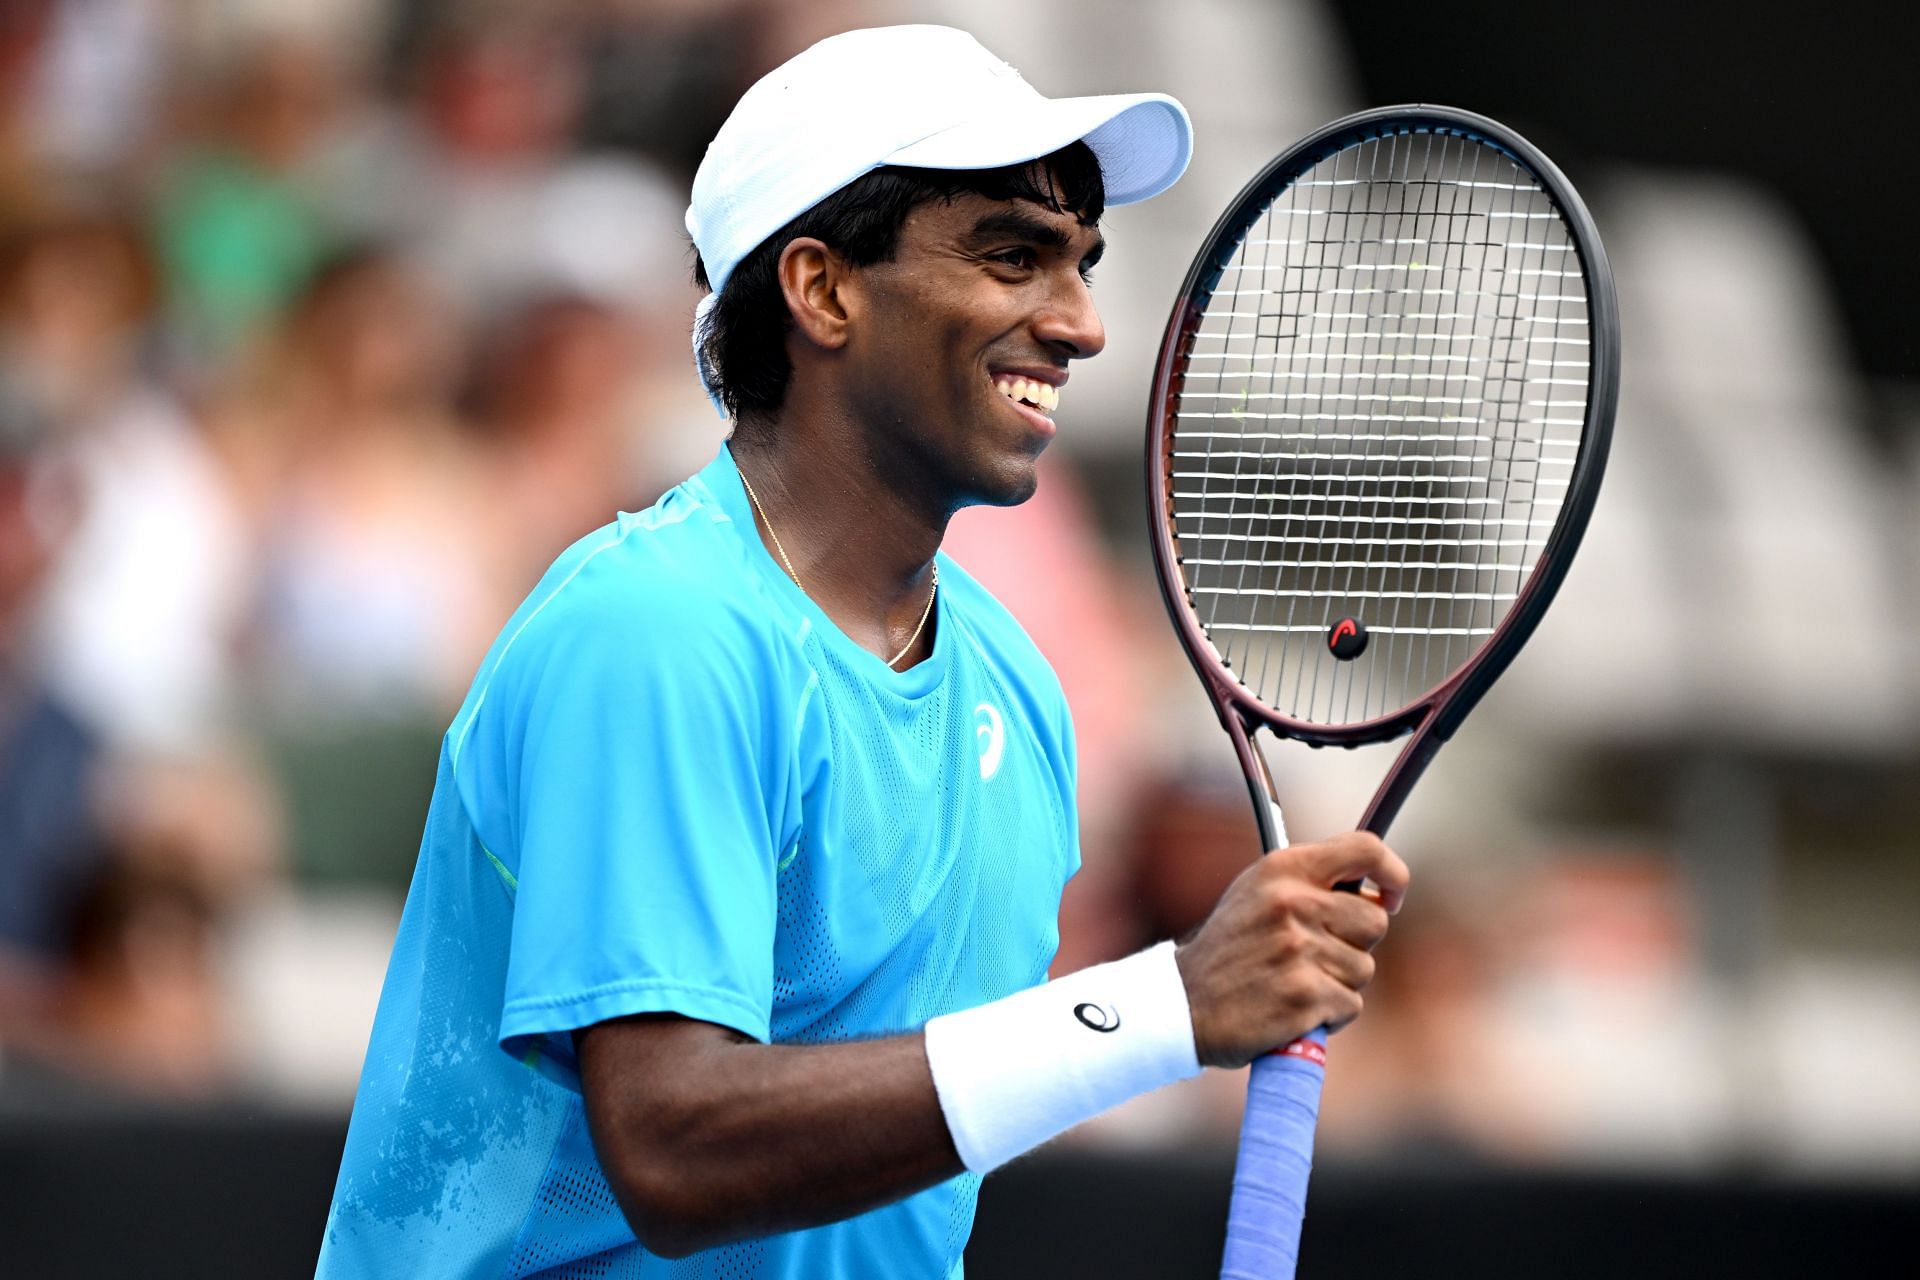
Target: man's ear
[812,278]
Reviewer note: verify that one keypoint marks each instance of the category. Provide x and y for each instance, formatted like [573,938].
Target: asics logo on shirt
[992,736]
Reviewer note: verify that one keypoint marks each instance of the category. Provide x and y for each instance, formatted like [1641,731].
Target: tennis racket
[1378,425]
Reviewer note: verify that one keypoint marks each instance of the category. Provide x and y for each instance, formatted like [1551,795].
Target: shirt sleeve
[646,806]
[1069,749]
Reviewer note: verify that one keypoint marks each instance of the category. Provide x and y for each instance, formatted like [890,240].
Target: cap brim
[1143,140]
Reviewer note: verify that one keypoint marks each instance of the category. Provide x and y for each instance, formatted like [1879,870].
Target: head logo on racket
[1348,639]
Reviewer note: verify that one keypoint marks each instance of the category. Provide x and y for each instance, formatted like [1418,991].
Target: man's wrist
[1016,1072]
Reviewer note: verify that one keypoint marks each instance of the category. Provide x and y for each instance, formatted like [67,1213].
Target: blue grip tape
[1276,1157]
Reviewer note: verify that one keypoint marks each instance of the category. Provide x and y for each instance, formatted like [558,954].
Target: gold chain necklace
[925,613]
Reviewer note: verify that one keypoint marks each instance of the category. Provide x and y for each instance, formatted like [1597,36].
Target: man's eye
[1015,257]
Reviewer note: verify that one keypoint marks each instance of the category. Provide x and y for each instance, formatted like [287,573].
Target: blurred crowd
[322,331]
[325,327]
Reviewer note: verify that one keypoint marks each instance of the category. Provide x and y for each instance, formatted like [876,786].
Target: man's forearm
[707,1136]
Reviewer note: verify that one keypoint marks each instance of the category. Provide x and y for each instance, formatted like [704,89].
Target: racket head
[1346,428]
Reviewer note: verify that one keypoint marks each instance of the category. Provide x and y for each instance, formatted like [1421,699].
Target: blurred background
[325,327]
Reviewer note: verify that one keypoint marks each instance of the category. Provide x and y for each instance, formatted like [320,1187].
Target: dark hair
[745,338]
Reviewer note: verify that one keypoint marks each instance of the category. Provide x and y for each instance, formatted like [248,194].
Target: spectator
[137,624]
[134,1006]
[496,201]
[364,498]
[49,759]
[23,27]
[238,229]
[555,401]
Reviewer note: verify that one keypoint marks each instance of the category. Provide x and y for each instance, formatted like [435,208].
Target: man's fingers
[1351,967]
[1357,855]
[1388,898]
[1284,951]
[1342,1004]
[1354,919]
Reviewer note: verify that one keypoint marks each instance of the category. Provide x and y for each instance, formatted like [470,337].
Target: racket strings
[1378,419]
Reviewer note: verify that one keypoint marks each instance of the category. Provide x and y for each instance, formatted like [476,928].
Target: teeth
[1039,394]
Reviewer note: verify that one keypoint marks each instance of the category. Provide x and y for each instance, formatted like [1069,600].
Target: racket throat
[1266,797]
[1413,761]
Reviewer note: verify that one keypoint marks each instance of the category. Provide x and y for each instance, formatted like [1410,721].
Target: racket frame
[1433,717]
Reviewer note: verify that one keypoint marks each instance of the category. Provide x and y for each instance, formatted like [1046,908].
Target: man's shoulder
[678,563]
[667,587]
[993,629]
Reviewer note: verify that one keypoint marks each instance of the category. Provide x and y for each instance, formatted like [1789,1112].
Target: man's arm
[707,1136]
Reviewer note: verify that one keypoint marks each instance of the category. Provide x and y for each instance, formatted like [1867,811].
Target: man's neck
[858,536]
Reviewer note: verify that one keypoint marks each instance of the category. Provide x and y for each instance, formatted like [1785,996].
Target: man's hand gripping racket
[1378,426]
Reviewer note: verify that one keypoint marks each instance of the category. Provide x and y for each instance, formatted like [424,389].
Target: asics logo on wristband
[1099,1017]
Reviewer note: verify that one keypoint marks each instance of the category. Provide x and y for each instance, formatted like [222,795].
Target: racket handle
[1276,1155]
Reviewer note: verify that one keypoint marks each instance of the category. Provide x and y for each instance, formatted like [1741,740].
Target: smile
[1039,395]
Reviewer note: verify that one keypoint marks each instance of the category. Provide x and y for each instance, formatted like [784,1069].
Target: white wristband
[1021,1070]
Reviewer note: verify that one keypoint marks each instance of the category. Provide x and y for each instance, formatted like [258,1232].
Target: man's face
[981,296]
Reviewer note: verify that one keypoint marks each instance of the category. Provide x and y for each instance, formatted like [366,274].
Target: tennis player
[726,951]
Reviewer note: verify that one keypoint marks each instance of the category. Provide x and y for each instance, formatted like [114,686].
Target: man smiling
[748,843]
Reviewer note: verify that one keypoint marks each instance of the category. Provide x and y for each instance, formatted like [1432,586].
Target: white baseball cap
[923,96]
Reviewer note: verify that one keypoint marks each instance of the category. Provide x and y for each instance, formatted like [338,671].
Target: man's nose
[1070,322]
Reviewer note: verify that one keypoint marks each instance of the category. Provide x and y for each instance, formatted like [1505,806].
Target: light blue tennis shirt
[677,786]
